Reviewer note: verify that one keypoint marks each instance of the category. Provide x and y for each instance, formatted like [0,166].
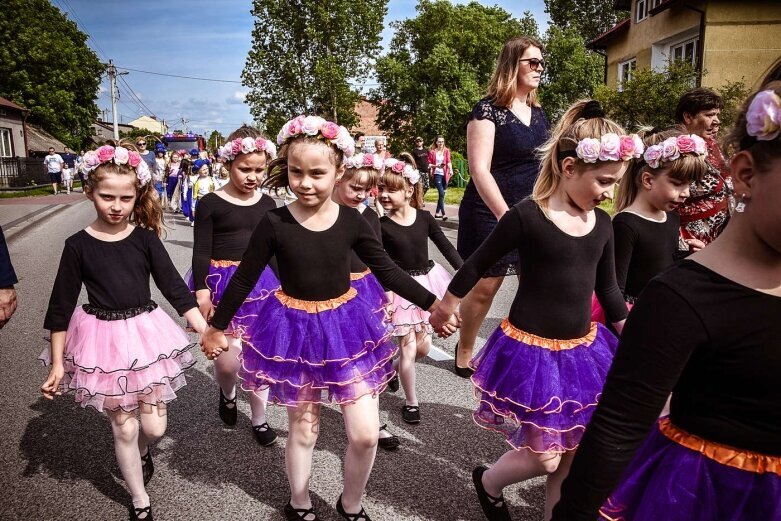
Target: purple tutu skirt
[370,290]
[540,392]
[408,317]
[330,351]
[677,476]
[220,273]
[117,364]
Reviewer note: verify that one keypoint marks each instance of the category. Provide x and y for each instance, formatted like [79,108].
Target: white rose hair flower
[118,156]
[247,145]
[315,126]
[409,172]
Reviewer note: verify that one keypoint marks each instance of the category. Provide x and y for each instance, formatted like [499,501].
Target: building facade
[12,129]
[727,40]
[150,123]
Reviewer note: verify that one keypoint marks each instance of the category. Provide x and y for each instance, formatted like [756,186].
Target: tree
[303,55]
[572,72]
[649,98]
[438,66]
[589,17]
[215,140]
[47,67]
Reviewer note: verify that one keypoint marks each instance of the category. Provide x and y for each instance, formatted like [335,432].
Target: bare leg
[124,426]
[303,426]
[515,466]
[474,308]
[362,423]
[406,367]
[226,368]
[423,345]
[553,485]
[154,420]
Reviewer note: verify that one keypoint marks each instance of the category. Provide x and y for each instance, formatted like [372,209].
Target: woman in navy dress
[504,131]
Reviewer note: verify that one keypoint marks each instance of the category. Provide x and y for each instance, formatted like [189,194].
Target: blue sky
[203,38]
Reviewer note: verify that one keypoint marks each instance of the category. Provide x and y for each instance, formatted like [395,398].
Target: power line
[132,93]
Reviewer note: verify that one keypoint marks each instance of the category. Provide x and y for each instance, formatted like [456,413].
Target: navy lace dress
[514,167]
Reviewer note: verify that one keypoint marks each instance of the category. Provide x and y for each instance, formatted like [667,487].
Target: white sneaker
[192,223]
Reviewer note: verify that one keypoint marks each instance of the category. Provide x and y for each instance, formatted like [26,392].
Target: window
[641,10]
[5,142]
[656,3]
[685,51]
[625,70]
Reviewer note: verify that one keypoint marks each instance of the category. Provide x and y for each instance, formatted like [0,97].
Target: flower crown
[763,117]
[230,150]
[365,161]
[671,149]
[409,172]
[316,126]
[610,147]
[118,156]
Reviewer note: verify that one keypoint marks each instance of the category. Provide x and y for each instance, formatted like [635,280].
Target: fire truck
[181,142]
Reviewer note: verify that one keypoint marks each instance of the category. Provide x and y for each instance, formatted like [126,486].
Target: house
[367,112]
[103,130]
[151,124]
[729,40]
[39,141]
[12,129]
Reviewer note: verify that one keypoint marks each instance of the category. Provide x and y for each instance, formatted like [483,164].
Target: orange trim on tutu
[224,263]
[724,454]
[359,276]
[315,306]
[551,344]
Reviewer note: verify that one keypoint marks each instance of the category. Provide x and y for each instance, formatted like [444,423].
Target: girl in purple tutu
[359,178]
[646,225]
[120,352]
[541,372]
[707,330]
[316,341]
[406,230]
[223,225]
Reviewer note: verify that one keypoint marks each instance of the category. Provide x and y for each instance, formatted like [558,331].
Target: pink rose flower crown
[609,147]
[408,172]
[230,150]
[672,148]
[119,156]
[763,117]
[364,161]
[317,127]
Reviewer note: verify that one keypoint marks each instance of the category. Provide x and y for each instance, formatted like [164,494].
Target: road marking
[439,355]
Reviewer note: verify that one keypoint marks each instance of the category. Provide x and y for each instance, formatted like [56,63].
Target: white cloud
[238,98]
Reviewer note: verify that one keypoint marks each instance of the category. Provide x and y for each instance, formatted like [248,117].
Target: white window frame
[695,42]
[641,10]
[655,4]
[629,66]
[6,144]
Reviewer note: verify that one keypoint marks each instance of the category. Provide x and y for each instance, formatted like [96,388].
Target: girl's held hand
[213,343]
[695,244]
[205,306]
[51,387]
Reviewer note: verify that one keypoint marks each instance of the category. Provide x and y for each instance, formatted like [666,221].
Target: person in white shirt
[54,164]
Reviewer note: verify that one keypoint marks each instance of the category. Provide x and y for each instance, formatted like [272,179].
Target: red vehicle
[184,142]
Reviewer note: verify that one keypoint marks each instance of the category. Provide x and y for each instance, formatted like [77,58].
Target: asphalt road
[58,463]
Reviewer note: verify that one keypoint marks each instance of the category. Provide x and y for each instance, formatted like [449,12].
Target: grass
[453,195]
[32,192]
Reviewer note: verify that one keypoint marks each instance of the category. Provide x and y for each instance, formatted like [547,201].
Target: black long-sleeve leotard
[559,272]
[710,341]
[314,265]
[356,264]
[116,275]
[408,245]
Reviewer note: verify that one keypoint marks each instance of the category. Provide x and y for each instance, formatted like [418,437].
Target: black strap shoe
[410,413]
[360,516]
[299,514]
[494,508]
[141,514]
[264,434]
[228,410]
[392,442]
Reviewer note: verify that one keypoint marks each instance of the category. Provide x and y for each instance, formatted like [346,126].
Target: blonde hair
[571,128]
[368,173]
[504,81]
[687,168]
[396,181]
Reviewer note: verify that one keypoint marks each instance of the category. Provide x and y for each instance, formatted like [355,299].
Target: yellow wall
[742,39]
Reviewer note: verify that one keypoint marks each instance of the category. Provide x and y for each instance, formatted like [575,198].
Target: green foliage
[589,18]
[47,67]
[649,98]
[438,66]
[151,138]
[572,72]
[215,140]
[303,54]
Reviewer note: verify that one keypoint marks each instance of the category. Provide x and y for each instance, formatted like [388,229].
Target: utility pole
[185,121]
[112,74]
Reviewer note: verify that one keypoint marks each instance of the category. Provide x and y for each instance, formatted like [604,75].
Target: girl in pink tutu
[317,340]
[359,178]
[223,225]
[646,225]
[406,230]
[541,372]
[120,352]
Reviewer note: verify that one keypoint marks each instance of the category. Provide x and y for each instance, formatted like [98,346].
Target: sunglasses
[140,144]
[534,63]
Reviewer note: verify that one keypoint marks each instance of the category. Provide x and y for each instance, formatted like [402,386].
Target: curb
[32,220]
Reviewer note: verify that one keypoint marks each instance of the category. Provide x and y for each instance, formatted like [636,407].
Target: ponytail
[148,212]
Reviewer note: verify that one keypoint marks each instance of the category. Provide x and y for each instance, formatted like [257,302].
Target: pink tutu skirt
[597,313]
[408,317]
[117,364]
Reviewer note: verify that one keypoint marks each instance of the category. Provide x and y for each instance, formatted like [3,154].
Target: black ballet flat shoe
[137,513]
[494,508]
[410,413]
[147,466]
[444,217]
[463,372]
[228,414]
[264,434]
[393,384]
[299,514]
[360,516]
[390,443]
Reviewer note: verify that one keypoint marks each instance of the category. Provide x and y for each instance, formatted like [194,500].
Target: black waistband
[119,314]
[424,271]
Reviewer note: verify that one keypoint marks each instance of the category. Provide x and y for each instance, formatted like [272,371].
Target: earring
[741,206]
